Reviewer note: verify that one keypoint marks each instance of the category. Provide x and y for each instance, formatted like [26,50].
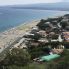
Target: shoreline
[17,27]
[9,36]
[26,22]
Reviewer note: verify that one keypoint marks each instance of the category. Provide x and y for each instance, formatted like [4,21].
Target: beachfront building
[34,30]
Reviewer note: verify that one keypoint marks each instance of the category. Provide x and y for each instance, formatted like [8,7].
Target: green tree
[16,57]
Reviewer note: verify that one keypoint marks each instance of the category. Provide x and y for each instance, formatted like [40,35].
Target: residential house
[43,40]
[42,33]
[34,44]
[66,36]
[53,37]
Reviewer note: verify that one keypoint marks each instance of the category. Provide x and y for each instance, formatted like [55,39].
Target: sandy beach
[9,36]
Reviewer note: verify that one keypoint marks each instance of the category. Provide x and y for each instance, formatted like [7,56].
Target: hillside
[44,6]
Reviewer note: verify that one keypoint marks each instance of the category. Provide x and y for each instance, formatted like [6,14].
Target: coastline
[9,36]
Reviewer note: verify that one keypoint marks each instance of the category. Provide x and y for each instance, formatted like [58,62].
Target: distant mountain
[45,6]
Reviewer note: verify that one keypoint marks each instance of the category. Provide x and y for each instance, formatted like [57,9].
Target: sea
[11,17]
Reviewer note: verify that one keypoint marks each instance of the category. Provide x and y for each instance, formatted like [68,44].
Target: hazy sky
[11,2]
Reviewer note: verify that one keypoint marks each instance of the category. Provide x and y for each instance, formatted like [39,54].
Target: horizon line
[32,3]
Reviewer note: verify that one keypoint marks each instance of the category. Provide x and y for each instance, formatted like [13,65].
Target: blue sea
[10,17]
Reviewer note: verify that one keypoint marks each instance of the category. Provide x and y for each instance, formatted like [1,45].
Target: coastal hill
[64,6]
[37,47]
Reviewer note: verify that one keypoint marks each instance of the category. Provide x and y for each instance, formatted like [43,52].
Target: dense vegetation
[20,59]
[17,57]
